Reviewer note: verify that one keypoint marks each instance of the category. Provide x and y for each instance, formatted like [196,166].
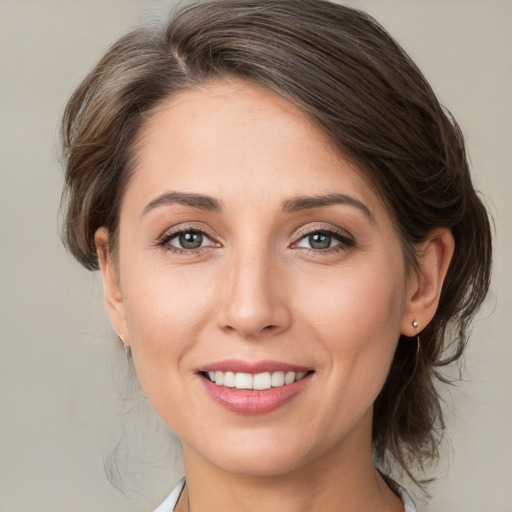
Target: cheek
[166,309]
[356,314]
[356,322]
[354,300]
[159,299]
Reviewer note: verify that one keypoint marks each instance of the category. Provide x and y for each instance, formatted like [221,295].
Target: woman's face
[247,246]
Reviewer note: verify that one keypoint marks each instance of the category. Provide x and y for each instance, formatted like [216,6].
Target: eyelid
[164,239]
[344,237]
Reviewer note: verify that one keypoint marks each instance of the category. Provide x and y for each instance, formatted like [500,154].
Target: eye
[322,240]
[317,241]
[186,240]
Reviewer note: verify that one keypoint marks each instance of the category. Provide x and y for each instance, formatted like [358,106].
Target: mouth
[257,381]
[254,388]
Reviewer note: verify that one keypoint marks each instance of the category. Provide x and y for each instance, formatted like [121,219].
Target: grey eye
[189,240]
[320,241]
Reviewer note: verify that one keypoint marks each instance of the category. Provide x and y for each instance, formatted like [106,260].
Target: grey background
[63,378]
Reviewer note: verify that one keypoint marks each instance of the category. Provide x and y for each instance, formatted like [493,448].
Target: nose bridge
[252,303]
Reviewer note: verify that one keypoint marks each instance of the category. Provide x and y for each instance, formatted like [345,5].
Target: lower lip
[244,401]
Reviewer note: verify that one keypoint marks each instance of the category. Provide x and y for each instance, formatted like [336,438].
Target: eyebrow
[294,204]
[195,200]
[307,202]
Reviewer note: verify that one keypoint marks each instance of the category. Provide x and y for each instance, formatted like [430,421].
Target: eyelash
[345,241]
[165,240]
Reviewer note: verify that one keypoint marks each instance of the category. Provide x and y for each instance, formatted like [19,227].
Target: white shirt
[170,502]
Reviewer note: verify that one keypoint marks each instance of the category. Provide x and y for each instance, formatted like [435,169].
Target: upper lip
[255,367]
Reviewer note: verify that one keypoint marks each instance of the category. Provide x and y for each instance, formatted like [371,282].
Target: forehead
[241,140]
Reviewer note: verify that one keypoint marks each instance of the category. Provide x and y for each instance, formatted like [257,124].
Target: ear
[425,283]
[111,287]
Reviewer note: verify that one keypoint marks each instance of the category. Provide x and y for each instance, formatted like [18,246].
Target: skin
[257,290]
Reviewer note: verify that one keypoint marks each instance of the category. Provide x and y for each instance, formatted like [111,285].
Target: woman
[290,246]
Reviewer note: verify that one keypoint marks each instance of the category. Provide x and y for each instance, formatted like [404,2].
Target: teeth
[259,381]
[243,381]
[277,379]
[262,381]
[229,379]
[289,378]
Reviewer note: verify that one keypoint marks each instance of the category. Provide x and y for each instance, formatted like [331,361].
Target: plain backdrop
[66,396]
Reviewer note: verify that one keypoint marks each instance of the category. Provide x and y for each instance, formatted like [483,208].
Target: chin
[261,464]
[261,454]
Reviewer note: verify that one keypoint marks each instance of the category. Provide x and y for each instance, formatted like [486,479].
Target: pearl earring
[415,324]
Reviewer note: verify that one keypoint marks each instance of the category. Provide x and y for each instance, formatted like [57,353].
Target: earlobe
[111,287]
[426,284]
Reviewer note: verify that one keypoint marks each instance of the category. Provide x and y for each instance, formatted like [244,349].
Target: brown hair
[350,78]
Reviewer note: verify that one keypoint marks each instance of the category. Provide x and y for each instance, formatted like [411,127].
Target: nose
[253,296]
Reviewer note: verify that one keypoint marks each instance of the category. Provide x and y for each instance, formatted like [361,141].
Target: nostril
[251,317]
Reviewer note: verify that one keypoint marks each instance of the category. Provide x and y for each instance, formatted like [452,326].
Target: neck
[343,477]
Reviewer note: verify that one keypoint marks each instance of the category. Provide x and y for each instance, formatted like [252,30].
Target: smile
[258,381]
[254,387]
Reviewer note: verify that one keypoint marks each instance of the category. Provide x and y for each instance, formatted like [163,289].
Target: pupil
[191,240]
[319,241]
